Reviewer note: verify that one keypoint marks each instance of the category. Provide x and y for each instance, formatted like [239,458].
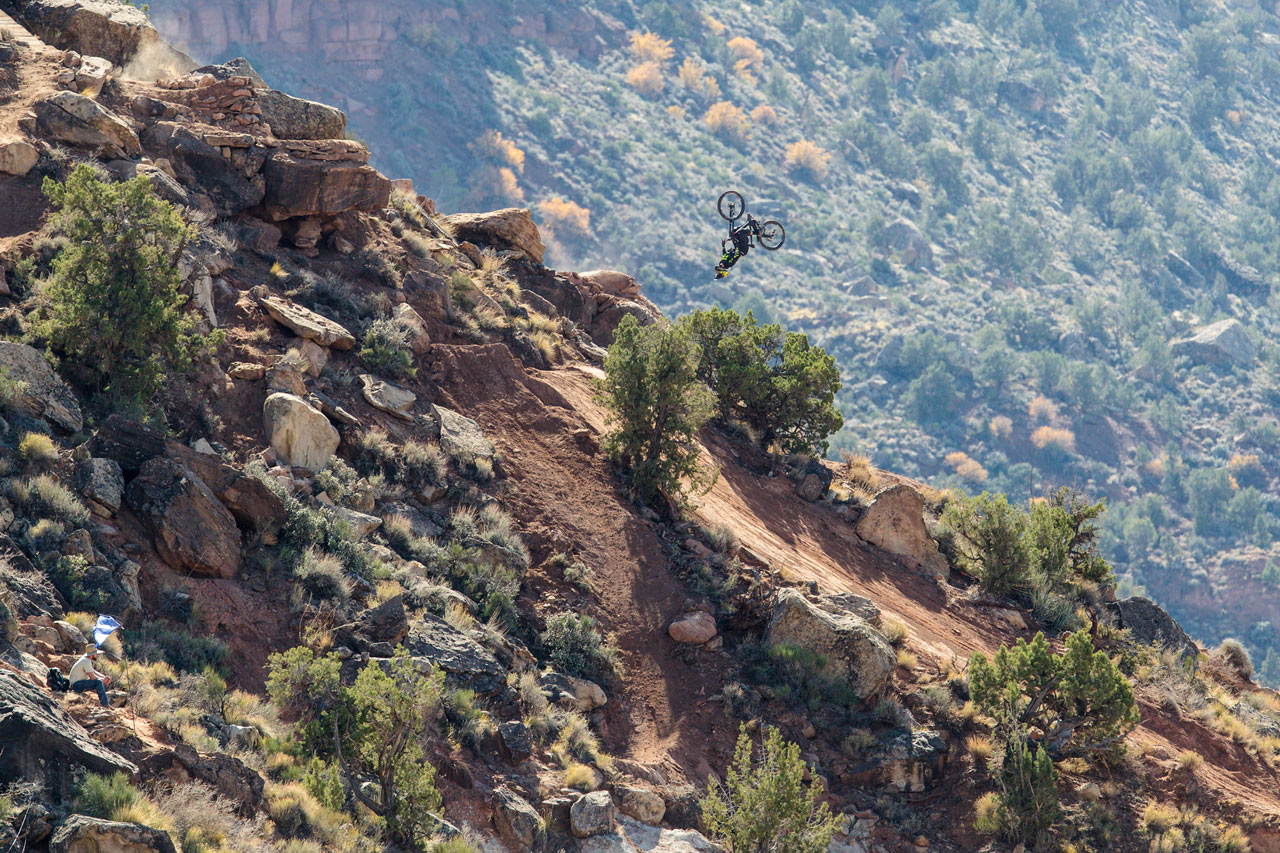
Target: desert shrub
[386,349]
[805,158]
[337,480]
[413,464]
[182,650]
[650,47]
[1001,427]
[378,723]
[115,310]
[37,450]
[1027,807]
[764,115]
[697,82]
[764,803]
[656,407]
[746,53]
[775,381]
[1237,656]
[42,495]
[647,79]
[1054,438]
[1079,699]
[932,397]
[574,645]
[103,796]
[966,468]
[322,575]
[992,545]
[69,576]
[567,215]
[725,119]
[494,145]
[305,528]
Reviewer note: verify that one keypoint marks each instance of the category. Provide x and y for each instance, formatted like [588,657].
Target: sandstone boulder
[1224,343]
[592,814]
[300,434]
[460,437]
[91,76]
[309,356]
[813,481]
[912,246]
[41,742]
[693,628]
[82,122]
[83,834]
[576,693]
[385,623]
[299,186]
[295,118]
[410,319]
[908,763]
[511,228]
[465,662]
[42,393]
[234,780]
[17,157]
[895,523]
[516,821]
[193,531]
[1151,625]
[101,481]
[848,602]
[389,398]
[106,28]
[612,282]
[308,324]
[855,651]
[361,524]
[640,803]
[238,67]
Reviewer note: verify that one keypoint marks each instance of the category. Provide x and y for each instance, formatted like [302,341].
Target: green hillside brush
[1079,702]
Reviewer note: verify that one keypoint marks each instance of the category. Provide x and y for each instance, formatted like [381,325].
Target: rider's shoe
[721,273]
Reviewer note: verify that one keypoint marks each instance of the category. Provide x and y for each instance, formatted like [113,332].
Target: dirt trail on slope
[809,542]
[658,712]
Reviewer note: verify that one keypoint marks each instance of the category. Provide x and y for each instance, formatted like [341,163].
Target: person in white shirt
[84,677]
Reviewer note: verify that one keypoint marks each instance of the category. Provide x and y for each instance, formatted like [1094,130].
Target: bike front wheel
[731,205]
[772,234]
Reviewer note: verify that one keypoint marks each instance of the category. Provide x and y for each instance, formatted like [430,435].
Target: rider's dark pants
[729,258]
[88,684]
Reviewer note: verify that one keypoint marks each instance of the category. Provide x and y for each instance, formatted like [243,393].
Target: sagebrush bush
[575,646]
[1237,656]
[567,216]
[43,495]
[386,349]
[696,80]
[807,158]
[723,118]
[37,450]
[322,575]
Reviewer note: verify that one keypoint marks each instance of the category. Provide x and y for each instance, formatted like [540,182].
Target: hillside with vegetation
[1039,238]
[334,520]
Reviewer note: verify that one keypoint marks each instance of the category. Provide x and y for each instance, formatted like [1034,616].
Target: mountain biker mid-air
[737,244]
[768,234]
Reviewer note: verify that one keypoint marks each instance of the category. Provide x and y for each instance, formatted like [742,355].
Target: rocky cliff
[391,450]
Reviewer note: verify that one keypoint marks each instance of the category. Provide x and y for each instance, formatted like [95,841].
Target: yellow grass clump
[725,119]
[1054,437]
[650,47]
[567,215]
[646,78]
[806,156]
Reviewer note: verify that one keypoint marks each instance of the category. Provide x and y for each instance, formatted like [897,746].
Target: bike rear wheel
[772,234]
[731,205]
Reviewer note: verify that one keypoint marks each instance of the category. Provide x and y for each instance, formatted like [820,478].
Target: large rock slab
[389,398]
[297,186]
[193,531]
[17,157]
[907,763]
[511,228]
[42,393]
[855,652]
[465,662]
[300,434]
[101,481]
[84,834]
[913,247]
[895,523]
[40,741]
[1224,344]
[516,821]
[308,324]
[632,836]
[460,437]
[1150,625]
[693,628]
[111,29]
[295,118]
[201,168]
[592,814]
[82,122]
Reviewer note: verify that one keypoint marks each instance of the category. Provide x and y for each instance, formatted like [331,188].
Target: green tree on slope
[657,405]
[115,311]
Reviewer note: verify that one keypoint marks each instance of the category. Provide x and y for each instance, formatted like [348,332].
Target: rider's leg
[729,259]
